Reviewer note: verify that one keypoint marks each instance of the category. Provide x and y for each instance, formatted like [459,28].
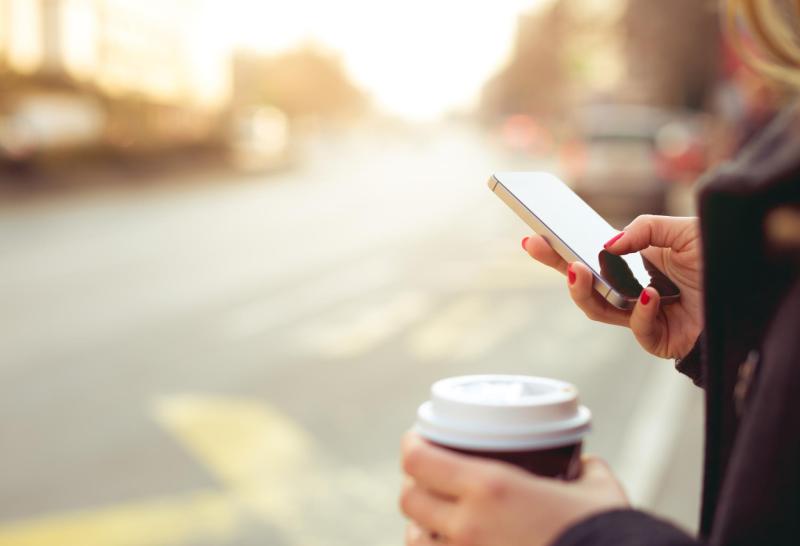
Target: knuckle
[590,312]
[466,533]
[406,441]
[412,457]
[639,222]
[407,501]
[413,535]
[577,298]
[492,489]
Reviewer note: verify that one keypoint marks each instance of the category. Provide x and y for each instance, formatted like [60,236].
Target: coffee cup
[534,423]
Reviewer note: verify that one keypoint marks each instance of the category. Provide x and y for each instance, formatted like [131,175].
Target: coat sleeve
[691,365]
[624,528]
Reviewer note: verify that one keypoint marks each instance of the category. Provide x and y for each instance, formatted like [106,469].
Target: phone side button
[602,288]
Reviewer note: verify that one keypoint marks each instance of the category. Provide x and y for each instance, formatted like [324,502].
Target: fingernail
[644,298]
[570,274]
[524,242]
[613,240]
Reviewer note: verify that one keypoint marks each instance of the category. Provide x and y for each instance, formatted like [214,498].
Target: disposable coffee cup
[535,423]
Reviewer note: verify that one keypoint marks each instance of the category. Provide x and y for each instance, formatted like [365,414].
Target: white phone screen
[566,216]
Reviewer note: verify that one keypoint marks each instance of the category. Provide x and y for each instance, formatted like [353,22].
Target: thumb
[649,230]
[597,474]
[594,469]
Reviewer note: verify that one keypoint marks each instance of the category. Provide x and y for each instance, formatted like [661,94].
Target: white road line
[350,332]
[656,424]
[468,327]
[262,315]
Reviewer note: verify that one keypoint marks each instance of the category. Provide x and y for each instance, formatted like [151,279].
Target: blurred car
[611,159]
[43,122]
[259,139]
[521,133]
[682,147]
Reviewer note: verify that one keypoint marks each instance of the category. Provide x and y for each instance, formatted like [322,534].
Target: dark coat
[748,361]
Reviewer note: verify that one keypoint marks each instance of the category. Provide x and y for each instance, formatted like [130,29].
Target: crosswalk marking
[467,328]
[353,332]
[441,332]
[334,288]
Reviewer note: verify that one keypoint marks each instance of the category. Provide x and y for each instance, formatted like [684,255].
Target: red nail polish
[524,241]
[570,274]
[644,298]
[613,240]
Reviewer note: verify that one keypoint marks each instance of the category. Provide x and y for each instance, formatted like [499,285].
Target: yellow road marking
[255,452]
[260,457]
[240,441]
[267,462]
[203,515]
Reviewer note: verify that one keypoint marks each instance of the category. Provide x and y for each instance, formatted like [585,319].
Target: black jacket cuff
[624,528]
[691,364]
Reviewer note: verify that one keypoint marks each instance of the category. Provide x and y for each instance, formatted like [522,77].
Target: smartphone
[577,233]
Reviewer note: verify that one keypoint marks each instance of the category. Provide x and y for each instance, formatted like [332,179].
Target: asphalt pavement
[233,361]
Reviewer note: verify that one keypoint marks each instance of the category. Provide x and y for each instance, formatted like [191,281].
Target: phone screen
[566,216]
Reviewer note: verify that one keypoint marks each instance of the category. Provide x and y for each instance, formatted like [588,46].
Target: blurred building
[672,51]
[535,79]
[643,51]
[153,71]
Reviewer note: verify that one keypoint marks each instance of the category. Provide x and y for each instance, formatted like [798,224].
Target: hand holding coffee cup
[534,423]
[495,461]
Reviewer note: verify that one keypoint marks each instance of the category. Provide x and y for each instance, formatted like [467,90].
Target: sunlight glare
[417,59]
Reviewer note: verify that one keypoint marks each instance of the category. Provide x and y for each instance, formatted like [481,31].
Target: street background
[225,287]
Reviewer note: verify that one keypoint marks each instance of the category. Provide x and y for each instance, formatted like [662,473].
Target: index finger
[650,230]
[437,469]
[541,251]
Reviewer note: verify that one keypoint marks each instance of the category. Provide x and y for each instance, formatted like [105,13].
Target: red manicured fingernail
[524,242]
[613,240]
[570,274]
[644,298]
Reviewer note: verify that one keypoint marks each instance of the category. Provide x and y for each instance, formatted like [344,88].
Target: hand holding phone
[577,233]
[671,244]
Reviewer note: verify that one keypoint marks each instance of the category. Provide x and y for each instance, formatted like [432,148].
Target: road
[233,362]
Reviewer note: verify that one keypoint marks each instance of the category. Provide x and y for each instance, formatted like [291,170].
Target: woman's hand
[673,246]
[468,501]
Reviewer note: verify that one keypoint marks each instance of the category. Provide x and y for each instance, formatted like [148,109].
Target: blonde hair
[772,26]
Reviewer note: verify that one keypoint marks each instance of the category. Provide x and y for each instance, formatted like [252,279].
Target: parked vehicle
[48,121]
[682,149]
[259,139]
[620,159]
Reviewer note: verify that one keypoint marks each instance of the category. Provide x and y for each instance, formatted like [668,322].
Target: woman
[735,332]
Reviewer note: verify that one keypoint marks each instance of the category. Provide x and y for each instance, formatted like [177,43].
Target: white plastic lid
[503,413]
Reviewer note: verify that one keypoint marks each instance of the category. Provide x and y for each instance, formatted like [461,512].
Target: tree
[536,78]
[303,83]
